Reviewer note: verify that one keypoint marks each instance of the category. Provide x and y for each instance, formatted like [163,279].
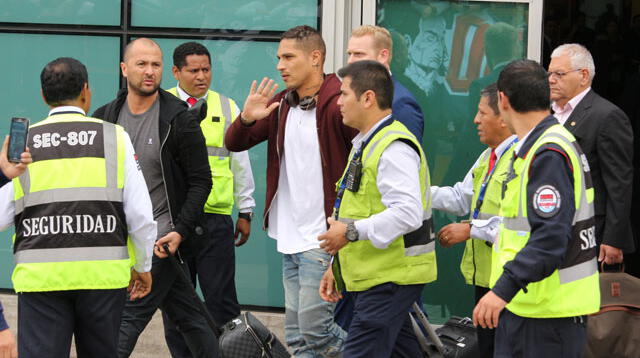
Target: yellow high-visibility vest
[409,259]
[220,114]
[71,231]
[572,289]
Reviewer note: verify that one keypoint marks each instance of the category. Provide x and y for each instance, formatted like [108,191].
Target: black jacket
[604,133]
[185,166]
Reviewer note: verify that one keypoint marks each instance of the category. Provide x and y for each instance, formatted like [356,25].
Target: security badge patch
[546,201]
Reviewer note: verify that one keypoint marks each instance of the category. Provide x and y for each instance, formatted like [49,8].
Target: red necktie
[492,160]
[191,101]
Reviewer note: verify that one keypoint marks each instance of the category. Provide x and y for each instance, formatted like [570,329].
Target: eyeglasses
[560,74]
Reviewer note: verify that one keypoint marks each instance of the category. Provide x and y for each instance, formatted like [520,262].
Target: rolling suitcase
[244,336]
[455,339]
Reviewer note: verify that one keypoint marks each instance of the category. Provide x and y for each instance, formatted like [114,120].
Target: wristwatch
[246,216]
[352,233]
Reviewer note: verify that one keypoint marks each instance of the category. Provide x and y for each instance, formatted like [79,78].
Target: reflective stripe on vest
[573,288]
[408,259]
[70,254]
[226,112]
[71,231]
[414,250]
[584,211]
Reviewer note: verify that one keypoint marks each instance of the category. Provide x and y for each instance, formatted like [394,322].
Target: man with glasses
[544,275]
[604,133]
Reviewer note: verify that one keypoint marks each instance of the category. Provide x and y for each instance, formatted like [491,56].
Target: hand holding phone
[17,139]
[9,166]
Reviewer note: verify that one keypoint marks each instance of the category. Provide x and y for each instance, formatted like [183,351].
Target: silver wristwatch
[352,233]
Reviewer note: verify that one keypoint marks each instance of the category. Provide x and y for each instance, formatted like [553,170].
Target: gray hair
[579,56]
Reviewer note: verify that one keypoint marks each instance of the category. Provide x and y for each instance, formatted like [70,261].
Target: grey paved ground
[151,343]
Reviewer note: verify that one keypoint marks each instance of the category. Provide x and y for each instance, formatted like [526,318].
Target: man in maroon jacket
[307,152]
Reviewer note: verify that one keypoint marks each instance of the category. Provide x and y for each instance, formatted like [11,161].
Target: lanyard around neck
[357,156]
[485,182]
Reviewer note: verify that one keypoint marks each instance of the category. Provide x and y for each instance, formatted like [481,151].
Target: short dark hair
[526,84]
[491,92]
[370,75]
[186,49]
[62,80]
[307,37]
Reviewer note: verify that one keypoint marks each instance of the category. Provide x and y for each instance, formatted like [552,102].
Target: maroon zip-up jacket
[333,136]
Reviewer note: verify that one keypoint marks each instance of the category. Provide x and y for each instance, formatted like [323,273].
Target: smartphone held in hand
[17,138]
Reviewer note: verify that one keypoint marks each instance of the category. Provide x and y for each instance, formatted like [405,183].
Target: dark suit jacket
[605,135]
[406,110]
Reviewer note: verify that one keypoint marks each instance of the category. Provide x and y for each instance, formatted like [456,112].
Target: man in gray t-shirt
[173,156]
[143,129]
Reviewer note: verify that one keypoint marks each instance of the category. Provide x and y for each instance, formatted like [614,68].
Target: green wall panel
[85,12]
[441,55]
[274,15]
[29,54]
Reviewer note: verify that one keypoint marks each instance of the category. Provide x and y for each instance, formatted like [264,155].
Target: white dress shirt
[398,181]
[136,203]
[240,165]
[297,216]
[563,113]
[456,200]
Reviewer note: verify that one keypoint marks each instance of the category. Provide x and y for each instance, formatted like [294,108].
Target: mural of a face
[427,53]
[428,49]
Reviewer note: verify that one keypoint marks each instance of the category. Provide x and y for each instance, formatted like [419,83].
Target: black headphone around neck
[307,103]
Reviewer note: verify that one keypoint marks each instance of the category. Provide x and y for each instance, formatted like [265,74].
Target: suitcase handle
[620,265]
[183,276]
[430,331]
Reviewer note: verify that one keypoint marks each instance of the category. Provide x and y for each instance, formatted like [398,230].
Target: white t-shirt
[297,217]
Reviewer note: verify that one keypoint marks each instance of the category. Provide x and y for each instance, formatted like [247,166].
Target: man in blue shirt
[8,171]
[374,43]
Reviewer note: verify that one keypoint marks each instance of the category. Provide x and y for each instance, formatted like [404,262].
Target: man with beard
[307,152]
[173,157]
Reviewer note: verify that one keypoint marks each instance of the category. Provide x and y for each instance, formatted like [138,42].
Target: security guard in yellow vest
[382,224]
[73,210]
[479,196]
[544,266]
[232,181]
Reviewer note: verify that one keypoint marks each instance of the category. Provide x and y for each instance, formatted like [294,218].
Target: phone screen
[17,138]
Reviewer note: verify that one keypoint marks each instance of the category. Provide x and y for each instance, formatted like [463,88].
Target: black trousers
[520,337]
[381,327]
[171,294]
[215,269]
[48,320]
[486,336]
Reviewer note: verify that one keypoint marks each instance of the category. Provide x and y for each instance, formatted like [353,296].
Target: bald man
[172,153]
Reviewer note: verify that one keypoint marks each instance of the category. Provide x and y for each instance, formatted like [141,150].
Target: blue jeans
[309,328]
